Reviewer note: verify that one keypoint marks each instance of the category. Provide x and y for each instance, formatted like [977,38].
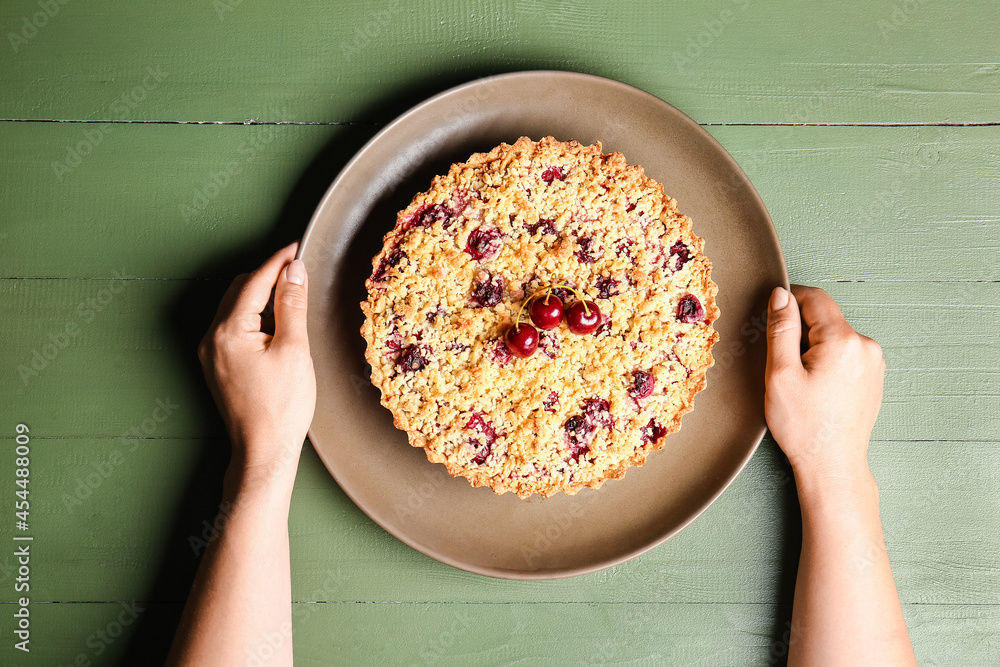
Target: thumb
[784,331]
[290,299]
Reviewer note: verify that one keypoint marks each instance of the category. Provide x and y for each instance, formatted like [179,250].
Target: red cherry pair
[582,317]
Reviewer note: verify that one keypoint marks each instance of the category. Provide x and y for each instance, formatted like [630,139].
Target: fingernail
[779,298]
[296,272]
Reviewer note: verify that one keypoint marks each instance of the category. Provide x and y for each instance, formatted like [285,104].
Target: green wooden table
[149,151]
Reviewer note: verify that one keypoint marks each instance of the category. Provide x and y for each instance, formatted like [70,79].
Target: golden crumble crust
[456,268]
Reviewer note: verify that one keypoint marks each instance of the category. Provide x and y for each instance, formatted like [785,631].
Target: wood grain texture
[683,635]
[118,238]
[723,61]
[887,203]
[135,514]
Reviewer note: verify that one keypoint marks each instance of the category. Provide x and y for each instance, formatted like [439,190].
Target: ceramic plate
[472,528]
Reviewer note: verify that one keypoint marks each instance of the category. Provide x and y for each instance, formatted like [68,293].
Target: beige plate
[471,528]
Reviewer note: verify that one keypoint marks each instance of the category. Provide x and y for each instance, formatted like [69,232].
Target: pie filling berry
[642,385]
[485,439]
[682,254]
[689,309]
[484,244]
[553,174]
[389,262]
[412,358]
[487,291]
[607,287]
[653,432]
[428,214]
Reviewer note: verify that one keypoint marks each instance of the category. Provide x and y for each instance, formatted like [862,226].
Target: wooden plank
[136,347]
[724,61]
[878,204]
[461,634]
[109,355]
[134,514]
[159,201]
[884,204]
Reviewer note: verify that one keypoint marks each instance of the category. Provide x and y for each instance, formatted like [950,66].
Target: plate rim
[693,126]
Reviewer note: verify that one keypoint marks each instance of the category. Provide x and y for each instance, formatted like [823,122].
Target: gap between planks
[367,124]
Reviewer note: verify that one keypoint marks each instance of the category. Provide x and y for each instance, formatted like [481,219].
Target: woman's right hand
[820,405]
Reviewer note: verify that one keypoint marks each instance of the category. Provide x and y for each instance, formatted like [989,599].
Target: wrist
[253,488]
[835,487]
[263,467]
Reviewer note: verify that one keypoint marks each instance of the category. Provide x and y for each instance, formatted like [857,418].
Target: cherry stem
[579,295]
[547,291]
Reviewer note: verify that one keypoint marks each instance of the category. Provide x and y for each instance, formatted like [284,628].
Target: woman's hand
[820,405]
[264,385]
[241,602]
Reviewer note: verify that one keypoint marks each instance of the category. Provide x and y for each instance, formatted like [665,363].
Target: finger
[290,300]
[821,315]
[784,331]
[257,290]
[229,299]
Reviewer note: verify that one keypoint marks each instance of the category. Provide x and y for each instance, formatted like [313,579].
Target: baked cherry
[546,312]
[597,412]
[653,431]
[642,385]
[500,353]
[522,340]
[483,447]
[553,174]
[607,287]
[412,358]
[482,453]
[689,309]
[682,253]
[578,431]
[484,243]
[388,262]
[543,225]
[586,252]
[548,344]
[427,215]
[583,317]
[487,290]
